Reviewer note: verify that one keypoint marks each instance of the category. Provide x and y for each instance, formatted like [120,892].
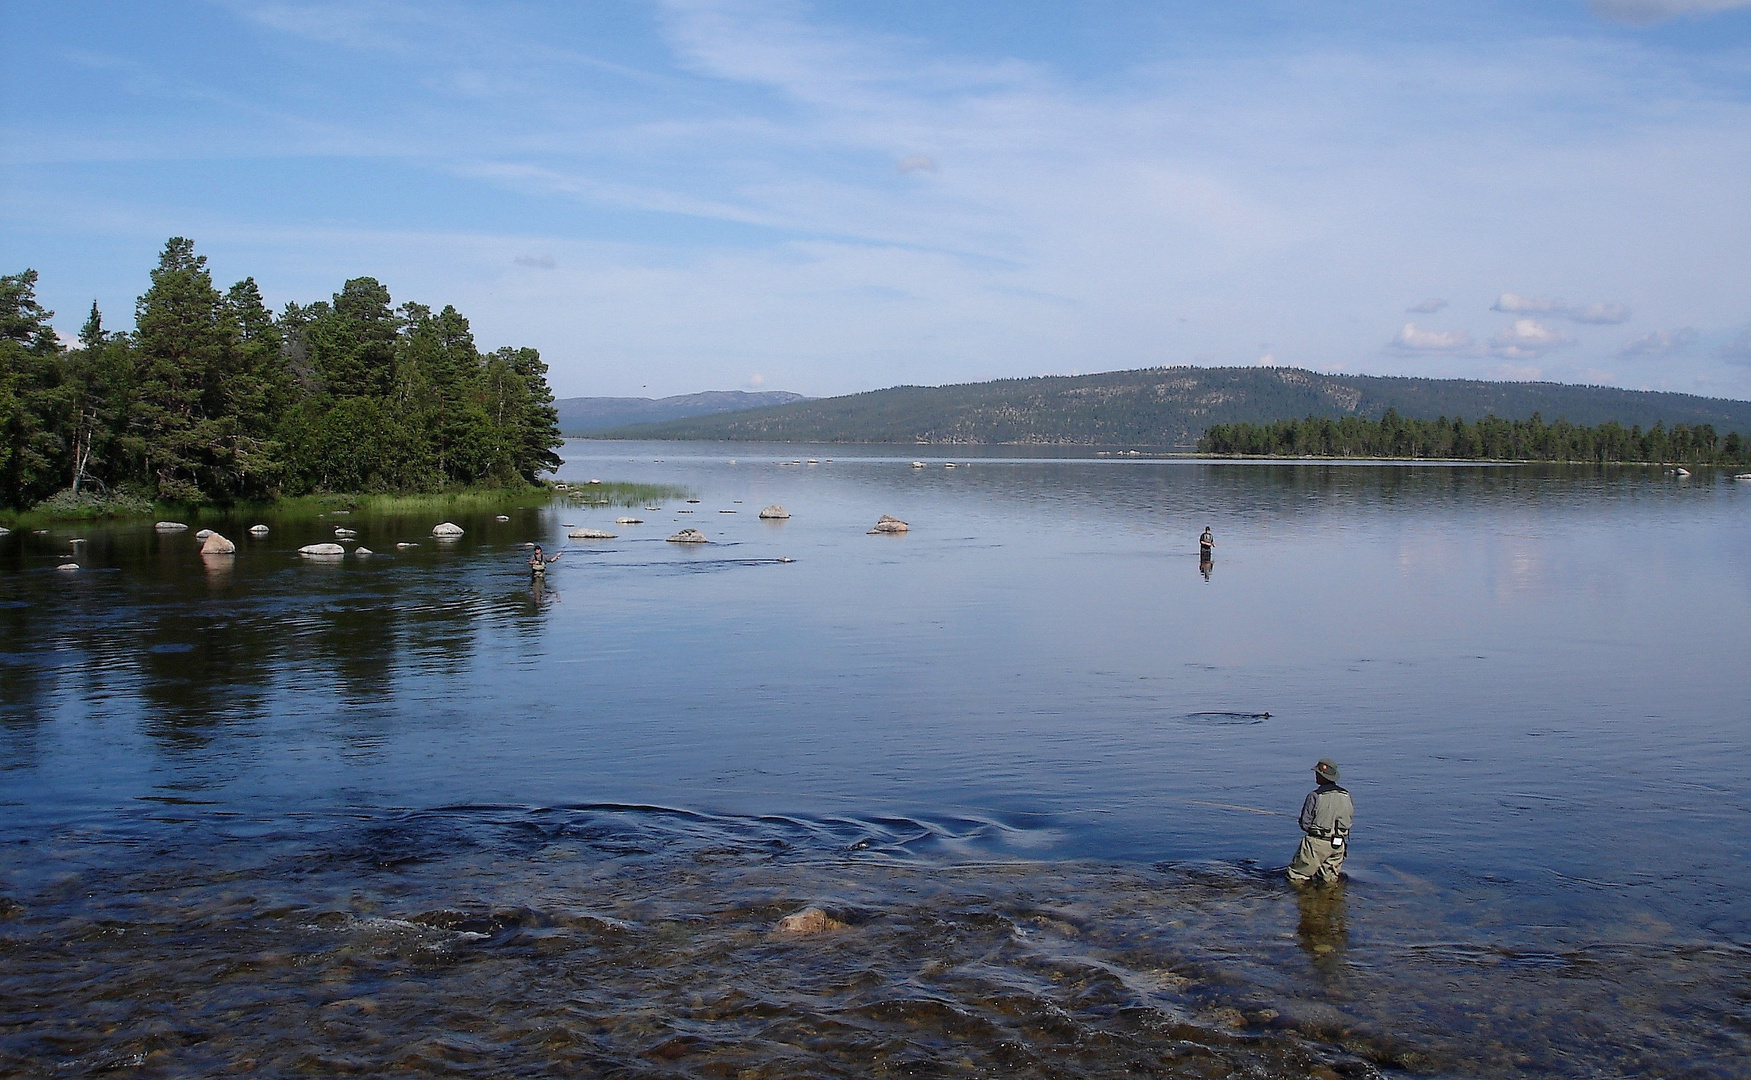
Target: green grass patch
[466,501]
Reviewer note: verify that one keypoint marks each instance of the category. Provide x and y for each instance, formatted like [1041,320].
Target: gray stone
[258,530]
[689,536]
[68,566]
[890,525]
[217,545]
[322,550]
[203,534]
[447,529]
[501,517]
[169,526]
[405,544]
[363,550]
[810,920]
[775,512]
[345,534]
[629,521]
[590,534]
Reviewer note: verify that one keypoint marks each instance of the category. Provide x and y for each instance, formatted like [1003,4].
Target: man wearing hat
[1325,818]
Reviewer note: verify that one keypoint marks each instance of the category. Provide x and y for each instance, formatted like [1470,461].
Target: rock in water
[217,545]
[502,517]
[4,530]
[169,526]
[448,528]
[590,534]
[629,521]
[890,525]
[810,920]
[688,536]
[203,534]
[405,544]
[775,512]
[322,549]
[345,534]
[68,566]
[258,530]
[363,550]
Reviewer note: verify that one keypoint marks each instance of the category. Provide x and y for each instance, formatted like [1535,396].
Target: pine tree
[33,395]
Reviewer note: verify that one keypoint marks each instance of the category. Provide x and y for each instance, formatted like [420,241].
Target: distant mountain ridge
[585,415]
[1171,407]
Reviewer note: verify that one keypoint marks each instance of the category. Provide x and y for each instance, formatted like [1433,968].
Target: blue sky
[671,197]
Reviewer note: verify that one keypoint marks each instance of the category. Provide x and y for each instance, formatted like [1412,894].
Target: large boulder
[322,550]
[689,536]
[448,528]
[590,534]
[890,525]
[775,512]
[215,544]
[169,526]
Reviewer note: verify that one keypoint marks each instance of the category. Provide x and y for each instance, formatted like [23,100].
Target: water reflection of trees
[200,650]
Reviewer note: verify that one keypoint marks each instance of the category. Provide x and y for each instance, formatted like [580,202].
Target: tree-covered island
[1489,439]
[212,398]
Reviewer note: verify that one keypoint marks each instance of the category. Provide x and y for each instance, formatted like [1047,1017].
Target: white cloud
[756,380]
[916,163]
[1427,307]
[1648,12]
[1515,304]
[1415,339]
[1599,314]
[1527,338]
[1659,343]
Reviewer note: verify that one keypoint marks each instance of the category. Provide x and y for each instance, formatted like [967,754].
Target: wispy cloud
[1527,338]
[1514,303]
[1598,314]
[1659,343]
[1738,350]
[1649,12]
[1415,339]
[1427,307]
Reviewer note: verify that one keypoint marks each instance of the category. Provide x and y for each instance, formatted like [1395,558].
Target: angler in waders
[1325,818]
[538,563]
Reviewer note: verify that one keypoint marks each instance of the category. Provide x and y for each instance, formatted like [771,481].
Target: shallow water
[410,812]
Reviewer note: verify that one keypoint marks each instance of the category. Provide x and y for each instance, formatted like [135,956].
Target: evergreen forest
[1492,438]
[214,398]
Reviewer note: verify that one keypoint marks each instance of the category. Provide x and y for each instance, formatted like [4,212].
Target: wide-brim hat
[1326,769]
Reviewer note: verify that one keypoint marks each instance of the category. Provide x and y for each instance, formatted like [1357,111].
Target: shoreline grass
[124,508]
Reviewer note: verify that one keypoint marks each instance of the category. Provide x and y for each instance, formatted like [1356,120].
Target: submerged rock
[169,526]
[320,550]
[810,920]
[405,544]
[775,512]
[448,528]
[890,525]
[590,534]
[689,536]
[258,530]
[217,545]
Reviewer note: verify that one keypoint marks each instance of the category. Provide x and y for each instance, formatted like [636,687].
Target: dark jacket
[1327,812]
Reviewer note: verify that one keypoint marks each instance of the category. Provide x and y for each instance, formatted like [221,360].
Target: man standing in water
[1206,544]
[538,562]
[1325,818]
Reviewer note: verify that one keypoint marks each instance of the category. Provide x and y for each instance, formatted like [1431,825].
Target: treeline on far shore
[1489,439]
[213,398]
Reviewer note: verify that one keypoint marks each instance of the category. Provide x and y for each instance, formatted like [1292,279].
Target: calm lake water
[409,812]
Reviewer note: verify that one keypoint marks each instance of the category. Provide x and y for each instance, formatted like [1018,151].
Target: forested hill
[583,415]
[1171,407]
